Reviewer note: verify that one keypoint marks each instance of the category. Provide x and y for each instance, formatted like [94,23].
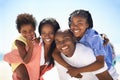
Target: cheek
[52,37]
[33,33]
[71,28]
[24,35]
[42,36]
[70,44]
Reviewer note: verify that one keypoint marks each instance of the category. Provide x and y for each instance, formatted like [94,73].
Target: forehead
[78,18]
[27,27]
[47,26]
[63,34]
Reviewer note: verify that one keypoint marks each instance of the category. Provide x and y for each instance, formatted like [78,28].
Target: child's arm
[14,56]
[99,63]
[25,55]
[56,55]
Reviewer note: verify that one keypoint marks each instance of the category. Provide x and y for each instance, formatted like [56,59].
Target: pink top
[33,66]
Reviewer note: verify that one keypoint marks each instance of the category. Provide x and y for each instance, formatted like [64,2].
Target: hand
[31,40]
[78,76]
[30,43]
[73,72]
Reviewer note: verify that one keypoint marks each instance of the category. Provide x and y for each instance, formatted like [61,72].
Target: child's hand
[78,76]
[73,72]
[31,40]
[30,43]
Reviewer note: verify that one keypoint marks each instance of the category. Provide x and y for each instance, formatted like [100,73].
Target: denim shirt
[109,53]
[92,39]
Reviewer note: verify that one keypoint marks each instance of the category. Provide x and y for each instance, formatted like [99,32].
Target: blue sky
[105,14]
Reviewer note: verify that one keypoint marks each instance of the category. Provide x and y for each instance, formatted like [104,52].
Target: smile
[47,40]
[64,48]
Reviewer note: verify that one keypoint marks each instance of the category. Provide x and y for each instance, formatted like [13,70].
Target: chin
[48,43]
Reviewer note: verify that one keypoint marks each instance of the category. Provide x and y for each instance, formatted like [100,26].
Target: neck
[47,46]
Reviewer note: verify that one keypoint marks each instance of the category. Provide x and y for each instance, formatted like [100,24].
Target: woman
[47,29]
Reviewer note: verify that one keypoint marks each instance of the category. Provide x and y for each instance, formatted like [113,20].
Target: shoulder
[82,47]
[92,36]
[84,50]
[20,39]
[19,43]
[92,33]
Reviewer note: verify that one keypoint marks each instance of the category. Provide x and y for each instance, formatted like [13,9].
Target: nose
[47,35]
[28,34]
[74,26]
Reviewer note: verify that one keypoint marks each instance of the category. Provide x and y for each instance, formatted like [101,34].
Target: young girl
[26,25]
[81,23]
[47,30]
[76,55]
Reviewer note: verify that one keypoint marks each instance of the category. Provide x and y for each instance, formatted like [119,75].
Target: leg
[104,76]
[21,72]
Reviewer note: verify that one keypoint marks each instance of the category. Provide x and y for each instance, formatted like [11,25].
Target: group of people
[78,52]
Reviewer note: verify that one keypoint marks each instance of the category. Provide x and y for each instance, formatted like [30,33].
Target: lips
[47,40]
[29,37]
[76,31]
[64,48]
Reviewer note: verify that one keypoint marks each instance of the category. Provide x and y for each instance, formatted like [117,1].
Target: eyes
[47,34]
[27,31]
[62,40]
[76,25]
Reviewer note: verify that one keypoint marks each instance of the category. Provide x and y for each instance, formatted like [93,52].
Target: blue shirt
[92,39]
[109,53]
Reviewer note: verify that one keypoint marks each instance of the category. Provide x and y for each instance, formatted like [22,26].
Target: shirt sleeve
[101,69]
[97,45]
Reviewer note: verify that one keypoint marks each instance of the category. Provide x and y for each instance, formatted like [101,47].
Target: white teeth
[76,31]
[47,39]
[64,48]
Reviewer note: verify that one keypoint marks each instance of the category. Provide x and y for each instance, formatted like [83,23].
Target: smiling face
[27,31]
[65,43]
[78,26]
[47,34]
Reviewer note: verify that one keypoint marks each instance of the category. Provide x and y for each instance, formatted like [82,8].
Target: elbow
[101,64]
[100,61]
[26,61]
